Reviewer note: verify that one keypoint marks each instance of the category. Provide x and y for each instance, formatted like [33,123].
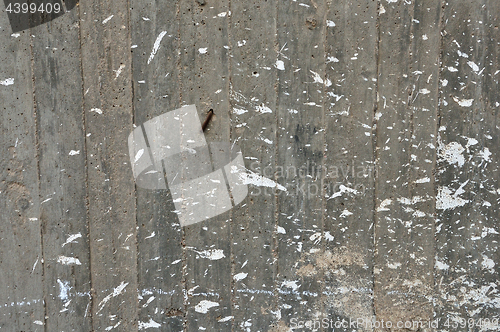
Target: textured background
[404,89]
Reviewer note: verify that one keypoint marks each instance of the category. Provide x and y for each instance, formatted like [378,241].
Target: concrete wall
[394,100]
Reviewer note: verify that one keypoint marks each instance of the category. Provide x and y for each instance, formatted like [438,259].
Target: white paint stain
[423,180]
[384,204]
[148,325]
[290,284]
[156,46]
[204,306]
[394,266]
[257,180]
[343,190]
[474,67]
[74,153]
[463,102]
[487,263]
[451,153]
[345,213]
[330,24]
[225,319]
[263,109]
[106,20]
[280,230]
[280,65]
[117,291]
[97,110]
[485,154]
[16,35]
[212,254]
[8,81]
[441,265]
[447,200]
[68,260]
[119,70]
[240,276]
[203,50]
[72,238]
[138,155]
[64,289]
[317,79]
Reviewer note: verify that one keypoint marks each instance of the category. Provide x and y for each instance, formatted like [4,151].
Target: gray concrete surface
[375,123]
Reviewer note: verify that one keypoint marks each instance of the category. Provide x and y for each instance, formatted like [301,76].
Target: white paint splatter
[451,153]
[345,213]
[423,180]
[72,238]
[239,111]
[485,154]
[257,180]
[446,199]
[150,236]
[452,69]
[384,204]
[394,266]
[37,322]
[280,65]
[150,324]
[8,81]
[441,265]
[119,70]
[138,155]
[342,190]
[225,319]
[203,50]
[64,289]
[156,46]
[290,284]
[330,24]
[74,153]
[212,254]
[240,276]
[263,109]
[331,59]
[15,35]
[117,291]
[474,67]
[317,79]
[280,230]
[463,102]
[204,306]
[106,20]
[68,260]
[487,263]
[97,110]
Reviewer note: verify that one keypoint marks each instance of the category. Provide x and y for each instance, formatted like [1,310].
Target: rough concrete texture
[376,124]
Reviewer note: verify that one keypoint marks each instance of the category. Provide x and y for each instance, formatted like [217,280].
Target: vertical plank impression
[405,141]
[253,54]
[204,81]
[154,28]
[351,82]
[108,118]
[300,145]
[21,271]
[61,144]
[467,230]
